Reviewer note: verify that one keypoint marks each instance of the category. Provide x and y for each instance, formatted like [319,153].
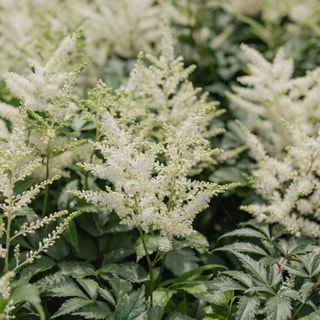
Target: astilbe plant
[47,102]
[18,162]
[147,155]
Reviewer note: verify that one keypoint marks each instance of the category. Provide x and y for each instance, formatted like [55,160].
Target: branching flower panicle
[272,94]
[289,185]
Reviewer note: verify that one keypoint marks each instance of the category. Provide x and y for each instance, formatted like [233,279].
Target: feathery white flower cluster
[151,189]
[148,153]
[271,94]
[289,185]
[43,82]
[273,10]
[158,88]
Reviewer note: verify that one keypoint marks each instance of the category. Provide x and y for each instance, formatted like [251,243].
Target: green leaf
[151,242]
[181,262]
[240,276]
[290,293]
[90,286]
[96,310]
[155,313]
[278,308]
[76,269]
[311,263]
[196,240]
[120,287]
[28,293]
[162,296]
[247,308]
[106,295]
[312,316]
[256,268]
[71,235]
[223,284]
[197,289]
[67,288]
[131,307]
[296,271]
[305,290]
[71,305]
[189,275]
[243,247]
[129,271]
[39,265]
[244,232]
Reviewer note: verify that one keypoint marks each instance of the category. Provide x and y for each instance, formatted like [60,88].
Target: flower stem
[150,267]
[46,194]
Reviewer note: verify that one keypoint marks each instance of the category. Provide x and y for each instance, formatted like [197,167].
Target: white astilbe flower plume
[149,193]
[43,82]
[289,185]
[159,88]
[272,94]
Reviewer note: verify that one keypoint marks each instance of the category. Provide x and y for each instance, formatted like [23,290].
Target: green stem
[9,217]
[46,194]
[8,240]
[302,304]
[150,266]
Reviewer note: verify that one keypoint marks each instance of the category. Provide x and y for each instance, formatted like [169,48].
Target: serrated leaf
[223,284]
[189,275]
[90,286]
[260,226]
[311,263]
[106,295]
[28,293]
[96,310]
[278,308]
[131,307]
[179,263]
[71,235]
[129,271]
[256,268]
[67,288]
[39,265]
[120,287]
[243,247]
[296,271]
[274,275]
[244,232]
[290,293]
[76,269]
[71,305]
[262,288]
[305,290]
[161,296]
[312,316]
[240,276]
[197,289]
[151,242]
[155,313]
[247,308]
[197,241]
